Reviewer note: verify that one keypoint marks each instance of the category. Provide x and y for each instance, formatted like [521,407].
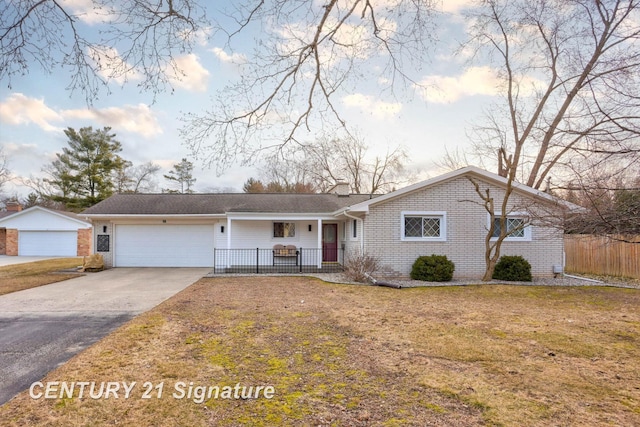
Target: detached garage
[164,245]
[38,231]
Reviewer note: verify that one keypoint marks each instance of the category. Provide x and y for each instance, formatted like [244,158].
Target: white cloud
[137,119]
[455,6]
[86,10]
[111,66]
[235,58]
[190,74]
[200,36]
[19,109]
[440,89]
[378,109]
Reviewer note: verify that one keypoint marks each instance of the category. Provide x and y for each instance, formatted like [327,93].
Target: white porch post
[228,241]
[319,251]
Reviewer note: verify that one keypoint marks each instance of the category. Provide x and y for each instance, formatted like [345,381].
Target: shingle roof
[203,204]
[6,213]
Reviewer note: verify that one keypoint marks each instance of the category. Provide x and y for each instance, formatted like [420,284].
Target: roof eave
[40,208]
[140,216]
[469,170]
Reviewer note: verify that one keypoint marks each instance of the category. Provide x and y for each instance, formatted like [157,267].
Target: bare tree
[310,50]
[138,38]
[4,168]
[327,161]
[570,78]
[39,185]
[569,71]
[612,204]
[311,53]
[137,179]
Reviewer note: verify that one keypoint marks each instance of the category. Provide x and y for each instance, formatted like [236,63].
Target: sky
[37,107]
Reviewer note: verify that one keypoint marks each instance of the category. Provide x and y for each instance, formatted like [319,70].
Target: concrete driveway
[41,328]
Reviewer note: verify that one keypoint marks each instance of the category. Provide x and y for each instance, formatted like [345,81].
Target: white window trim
[295,230]
[429,214]
[527,228]
[354,228]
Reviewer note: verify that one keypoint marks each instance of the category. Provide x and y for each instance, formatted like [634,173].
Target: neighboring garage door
[164,245]
[47,243]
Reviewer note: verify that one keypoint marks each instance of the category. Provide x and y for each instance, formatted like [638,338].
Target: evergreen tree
[85,172]
[181,178]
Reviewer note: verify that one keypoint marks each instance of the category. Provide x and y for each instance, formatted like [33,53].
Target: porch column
[319,251]
[228,241]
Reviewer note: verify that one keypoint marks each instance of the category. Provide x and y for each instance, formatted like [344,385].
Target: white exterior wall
[352,245]
[40,220]
[251,234]
[466,225]
[98,229]
[244,234]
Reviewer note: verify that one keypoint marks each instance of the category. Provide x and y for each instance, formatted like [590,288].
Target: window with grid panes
[518,227]
[422,226]
[284,229]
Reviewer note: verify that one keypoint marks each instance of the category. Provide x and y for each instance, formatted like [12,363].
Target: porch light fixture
[222,229]
[104,228]
[310,227]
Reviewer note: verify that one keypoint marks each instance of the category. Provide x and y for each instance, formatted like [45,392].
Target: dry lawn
[29,275]
[351,355]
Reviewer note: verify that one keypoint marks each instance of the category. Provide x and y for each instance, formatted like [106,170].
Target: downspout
[368,276]
[379,283]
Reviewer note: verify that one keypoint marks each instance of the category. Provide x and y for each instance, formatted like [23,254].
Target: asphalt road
[41,328]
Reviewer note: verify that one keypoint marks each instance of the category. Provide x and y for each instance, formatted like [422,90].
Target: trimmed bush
[433,268]
[512,268]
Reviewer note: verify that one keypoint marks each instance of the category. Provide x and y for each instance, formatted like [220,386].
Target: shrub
[433,268]
[512,268]
[359,266]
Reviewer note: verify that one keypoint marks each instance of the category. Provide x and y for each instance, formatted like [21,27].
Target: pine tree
[181,178]
[84,173]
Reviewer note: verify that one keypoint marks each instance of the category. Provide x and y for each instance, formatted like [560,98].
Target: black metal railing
[300,260]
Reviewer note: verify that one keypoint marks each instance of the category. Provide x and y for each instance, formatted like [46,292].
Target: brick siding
[3,241]
[12,242]
[466,229]
[85,241]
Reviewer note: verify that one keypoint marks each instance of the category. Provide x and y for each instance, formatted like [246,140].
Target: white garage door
[48,243]
[164,245]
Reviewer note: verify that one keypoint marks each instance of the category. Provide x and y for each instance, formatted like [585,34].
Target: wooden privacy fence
[601,255]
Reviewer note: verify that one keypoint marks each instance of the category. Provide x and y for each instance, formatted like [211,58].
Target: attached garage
[48,243]
[165,245]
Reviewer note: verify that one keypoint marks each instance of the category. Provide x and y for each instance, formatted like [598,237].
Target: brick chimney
[13,206]
[341,188]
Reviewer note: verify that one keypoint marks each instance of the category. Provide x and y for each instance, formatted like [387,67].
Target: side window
[418,226]
[518,228]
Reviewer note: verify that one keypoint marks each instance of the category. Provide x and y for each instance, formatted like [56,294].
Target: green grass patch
[358,355]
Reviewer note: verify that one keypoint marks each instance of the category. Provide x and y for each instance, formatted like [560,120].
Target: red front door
[329,242]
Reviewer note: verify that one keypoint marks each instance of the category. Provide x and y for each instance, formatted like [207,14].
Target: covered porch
[260,260]
[250,243]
